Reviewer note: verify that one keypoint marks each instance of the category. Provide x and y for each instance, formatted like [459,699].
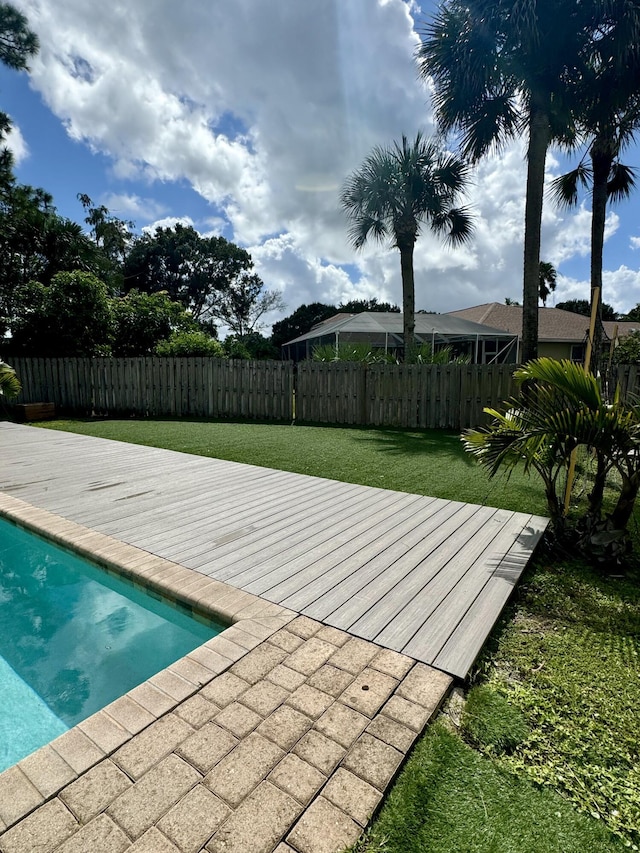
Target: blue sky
[245,118]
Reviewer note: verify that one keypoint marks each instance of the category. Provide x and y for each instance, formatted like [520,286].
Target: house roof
[390,323]
[554,324]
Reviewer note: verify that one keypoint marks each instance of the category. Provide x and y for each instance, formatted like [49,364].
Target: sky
[244,119]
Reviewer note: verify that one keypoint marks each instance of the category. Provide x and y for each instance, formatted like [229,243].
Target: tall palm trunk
[539,138]
[601,160]
[408,300]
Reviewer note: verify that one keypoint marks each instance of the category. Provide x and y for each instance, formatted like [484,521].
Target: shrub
[190,344]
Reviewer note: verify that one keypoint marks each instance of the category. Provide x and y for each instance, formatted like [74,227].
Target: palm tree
[395,192]
[610,116]
[9,383]
[504,67]
[547,279]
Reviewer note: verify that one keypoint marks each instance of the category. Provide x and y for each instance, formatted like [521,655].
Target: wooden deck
[416,574]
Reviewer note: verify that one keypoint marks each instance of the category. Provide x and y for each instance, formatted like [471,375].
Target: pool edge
[41,775]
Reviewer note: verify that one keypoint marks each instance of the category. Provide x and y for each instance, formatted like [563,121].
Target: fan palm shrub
[9,383]
[563,410]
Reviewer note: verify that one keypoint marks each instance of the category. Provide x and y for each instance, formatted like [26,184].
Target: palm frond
[564,190]
[621,183]
[9,383]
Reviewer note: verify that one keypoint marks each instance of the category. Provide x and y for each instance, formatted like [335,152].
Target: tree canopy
[192,269]
[583,306]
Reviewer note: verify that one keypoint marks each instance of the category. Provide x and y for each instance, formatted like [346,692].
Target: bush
[190,344]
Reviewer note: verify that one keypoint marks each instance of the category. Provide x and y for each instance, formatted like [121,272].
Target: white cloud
[16,143]
[634,242]
[264,108]
[124,205]
[168,222]
[620,288]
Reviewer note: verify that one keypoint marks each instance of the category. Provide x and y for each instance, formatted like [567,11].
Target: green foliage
[359,306]
[548,280]
[560,410]
[259,347]
[352,352]
[70,317]
[194,343]
[442,355]
[567,655]
[9,383]
[17,42]
[628,349]
[300,322]
[142,320]
[583,306]
[490,722]
[243,303]
[234,347]
[396,192]
[112,236]
[192,269]
[449,798]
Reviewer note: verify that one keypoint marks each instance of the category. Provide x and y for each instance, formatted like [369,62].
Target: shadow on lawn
[406,443]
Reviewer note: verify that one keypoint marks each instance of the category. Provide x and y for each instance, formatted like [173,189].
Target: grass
[556,763]
[388,458]
[449,798]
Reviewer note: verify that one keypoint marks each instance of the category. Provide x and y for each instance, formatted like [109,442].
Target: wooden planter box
[35,411]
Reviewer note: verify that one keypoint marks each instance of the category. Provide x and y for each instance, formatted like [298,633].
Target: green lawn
[565,656]
[388,458]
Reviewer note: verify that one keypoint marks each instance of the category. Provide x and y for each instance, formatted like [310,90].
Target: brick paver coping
[289,748]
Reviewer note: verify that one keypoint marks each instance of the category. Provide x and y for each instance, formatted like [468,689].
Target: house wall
[554,350]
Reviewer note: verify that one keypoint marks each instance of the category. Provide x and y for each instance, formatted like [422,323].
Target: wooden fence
[422,396]
[447,396]
[197,387]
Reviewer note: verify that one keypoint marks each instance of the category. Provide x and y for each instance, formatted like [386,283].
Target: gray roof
[379,322]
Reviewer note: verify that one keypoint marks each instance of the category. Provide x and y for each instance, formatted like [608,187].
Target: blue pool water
[73,638]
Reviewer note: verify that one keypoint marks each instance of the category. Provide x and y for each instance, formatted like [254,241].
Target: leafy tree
[359,306]
[500,67]
[548,279]
[395,192]
[112,236]
[17,45]
[36,244]
[190,344]
[509,301]
[70,317]
[582,306]
[142,320]
[300,322]
[633,316]
[192,269]
[628,349]
[243,303]
[260,347]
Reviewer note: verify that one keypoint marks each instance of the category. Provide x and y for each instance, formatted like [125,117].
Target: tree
[112,236]
[17,44]
[633,316]
[192,269]
[583,306]
[359,306]
[36,244]
[300,322]
[610,117]
[500,67]
[70,317]
[547,281]
[243,303]
[628,349]
[394,193]
[141,320]
[563,411]
[188,344]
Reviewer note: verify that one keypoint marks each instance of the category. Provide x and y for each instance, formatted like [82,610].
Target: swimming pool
[74,638]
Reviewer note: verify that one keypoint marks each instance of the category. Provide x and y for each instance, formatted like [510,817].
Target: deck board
[416,574]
